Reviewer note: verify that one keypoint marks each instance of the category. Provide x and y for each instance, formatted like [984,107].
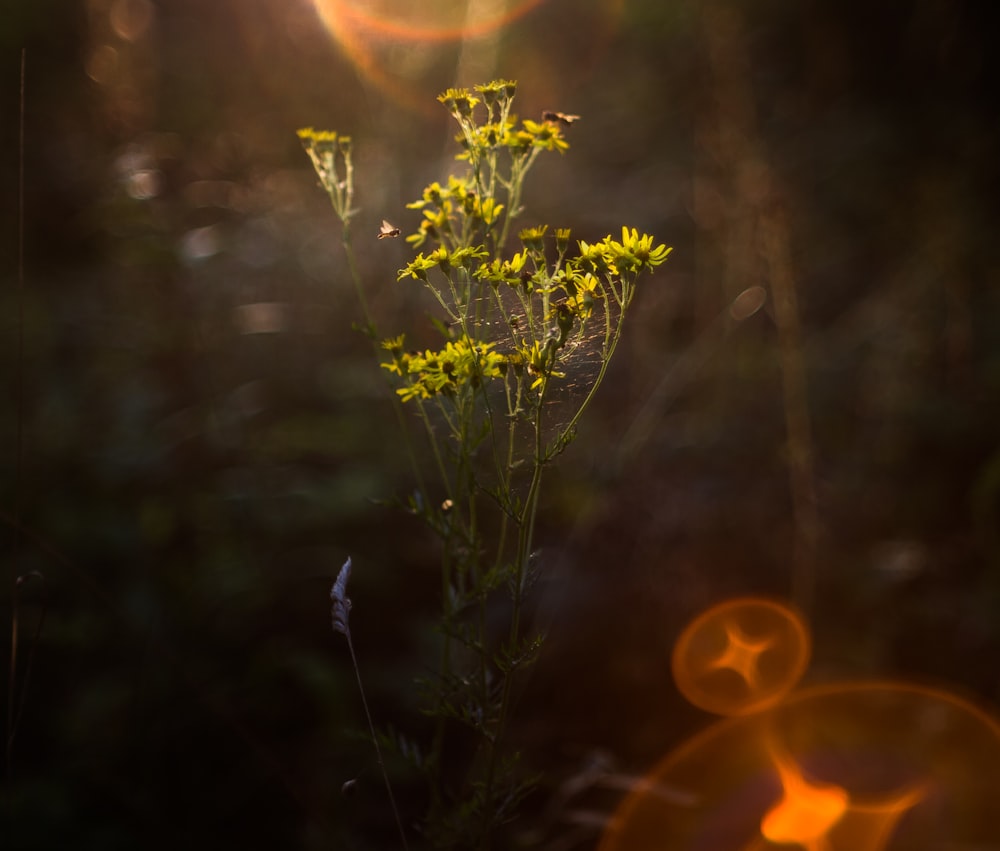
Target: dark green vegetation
[194,470]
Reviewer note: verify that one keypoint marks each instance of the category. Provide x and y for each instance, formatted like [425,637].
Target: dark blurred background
[194,439]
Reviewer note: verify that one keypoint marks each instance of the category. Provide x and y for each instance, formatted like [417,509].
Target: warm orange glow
[428,21]
[847,767]
[824,819]
[364,30]
[806,811]
[741,656]
[396,44]
[131,19]
[870,826]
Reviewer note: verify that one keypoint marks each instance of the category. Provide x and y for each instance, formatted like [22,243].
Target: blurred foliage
[194,437]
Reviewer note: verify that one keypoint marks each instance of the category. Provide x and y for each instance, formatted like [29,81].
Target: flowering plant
[527,337]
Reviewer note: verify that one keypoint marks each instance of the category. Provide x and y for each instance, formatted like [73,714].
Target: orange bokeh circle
[369,35]
[394,45]
[741,656]
[429,21]
[848,767]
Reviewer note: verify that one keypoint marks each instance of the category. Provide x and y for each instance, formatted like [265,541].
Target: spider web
[579,360]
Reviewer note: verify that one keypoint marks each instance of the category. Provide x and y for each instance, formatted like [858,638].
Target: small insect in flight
[387,230]
[560,117]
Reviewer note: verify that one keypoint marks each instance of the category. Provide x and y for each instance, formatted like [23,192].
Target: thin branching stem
[461,407]
[378,748]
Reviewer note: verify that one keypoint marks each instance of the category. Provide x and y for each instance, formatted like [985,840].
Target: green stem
[378,749]
[613,334]
[518,171]
[526,532]
[372,334]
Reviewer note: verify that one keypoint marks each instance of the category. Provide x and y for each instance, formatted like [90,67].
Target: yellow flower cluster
[461,364]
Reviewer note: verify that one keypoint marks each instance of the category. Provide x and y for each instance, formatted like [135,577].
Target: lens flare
[741,656]
[847,767]
[806,811]
[429,21]
[369,32]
